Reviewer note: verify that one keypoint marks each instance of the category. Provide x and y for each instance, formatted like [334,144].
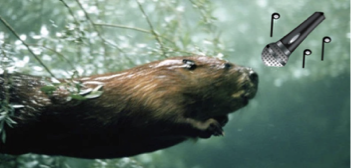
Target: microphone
[277,54]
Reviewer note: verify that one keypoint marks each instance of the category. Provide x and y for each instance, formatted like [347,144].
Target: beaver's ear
[190,64]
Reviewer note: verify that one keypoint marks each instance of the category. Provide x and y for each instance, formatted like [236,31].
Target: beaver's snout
[250,84]
[249,74]
[252,75]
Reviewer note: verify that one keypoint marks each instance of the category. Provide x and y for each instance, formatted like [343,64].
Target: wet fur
[142,109]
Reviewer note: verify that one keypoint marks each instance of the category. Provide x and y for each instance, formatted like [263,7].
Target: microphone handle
[292,40]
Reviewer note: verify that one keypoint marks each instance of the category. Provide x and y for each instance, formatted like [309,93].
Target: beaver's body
[143,109]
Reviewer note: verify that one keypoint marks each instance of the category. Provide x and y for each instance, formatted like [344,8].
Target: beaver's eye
[190,64]
[228,65]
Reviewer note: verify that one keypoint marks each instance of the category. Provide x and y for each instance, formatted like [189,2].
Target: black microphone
[277,54]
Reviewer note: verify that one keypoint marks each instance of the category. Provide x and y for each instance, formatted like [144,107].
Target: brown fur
[142,109]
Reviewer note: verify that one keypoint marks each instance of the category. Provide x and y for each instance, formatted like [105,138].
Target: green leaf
[75,75]
[77,97]
[85,91]
[93,94]
[9,121]
[1,126]
[48,89]
[17,106]
[98,88]
[3,136]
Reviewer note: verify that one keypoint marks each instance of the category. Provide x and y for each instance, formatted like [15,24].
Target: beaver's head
[204,87]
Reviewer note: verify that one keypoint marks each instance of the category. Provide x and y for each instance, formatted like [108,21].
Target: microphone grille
[273,55]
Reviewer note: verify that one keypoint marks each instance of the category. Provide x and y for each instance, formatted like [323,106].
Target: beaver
[143,109]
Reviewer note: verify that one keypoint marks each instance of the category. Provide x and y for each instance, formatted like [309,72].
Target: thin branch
[56,52]
[133,28]
[205,13]
[152,29]
[143,31]
[123,27]
[95,28]
[91,21]
[28,48]
[77,24]
[92,24]
[70,11]
[181,51]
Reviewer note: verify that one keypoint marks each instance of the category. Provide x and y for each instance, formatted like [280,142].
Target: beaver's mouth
[248,87]
[248,92]
[222,119]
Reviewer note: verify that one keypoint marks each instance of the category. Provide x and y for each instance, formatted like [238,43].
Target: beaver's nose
[252,75]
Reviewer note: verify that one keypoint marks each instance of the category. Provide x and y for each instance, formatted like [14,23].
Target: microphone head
[275,54]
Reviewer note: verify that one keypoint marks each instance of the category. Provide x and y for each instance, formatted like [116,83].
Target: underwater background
[299,118]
